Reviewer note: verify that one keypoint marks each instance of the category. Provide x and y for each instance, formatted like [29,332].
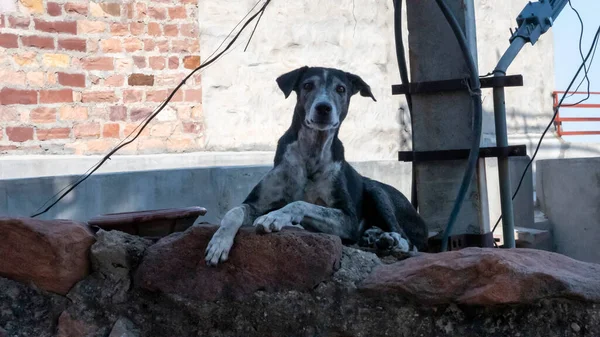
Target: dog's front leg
[313,217]
[221,242]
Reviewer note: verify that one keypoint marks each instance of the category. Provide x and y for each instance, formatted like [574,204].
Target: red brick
[53,133]
[73,113]
[14,96]
[154,29]
[193,95]
[111,46]
[139,61]
[140,113]
[157,62]
[68,27]
[177,12]
[9,41]
[132,96]
[38,42]
[132,44]
[114,81]
[157,13]
[171,30]
[72,44]
[19,21]
[71,80]
[173,62]
[189,30]
[163,46]
[149,45]
[185,46]
[141,10]
[99,97]
[56,96]
[98,63]
[192,127]
[129,10]
[43,115]
[113,9]
[87,130]
[111,130]
[2,21]
[119,29]
[191,62]
[137,28]
[156,95]
[141,80]
[54,9]
[118,113]
[76,8]
[19,133]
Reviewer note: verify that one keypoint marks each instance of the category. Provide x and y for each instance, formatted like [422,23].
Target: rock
[70,326]
[124,328]
[28,311]
[114,256]
[289,260]
[51,254]
[575,327]
[479,276]
[356,265]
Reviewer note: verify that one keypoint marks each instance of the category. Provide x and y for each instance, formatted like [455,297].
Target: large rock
[289,260]
[477,276]
[51,254]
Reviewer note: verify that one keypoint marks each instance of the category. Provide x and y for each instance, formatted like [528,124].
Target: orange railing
[558,121]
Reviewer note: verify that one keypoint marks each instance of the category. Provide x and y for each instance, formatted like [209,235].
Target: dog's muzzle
[322,116]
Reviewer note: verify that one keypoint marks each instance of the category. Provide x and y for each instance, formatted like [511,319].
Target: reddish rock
[69,326]
[51,254]
[289,260]
[486,276]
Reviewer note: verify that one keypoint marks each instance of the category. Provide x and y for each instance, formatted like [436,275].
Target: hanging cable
[475,90]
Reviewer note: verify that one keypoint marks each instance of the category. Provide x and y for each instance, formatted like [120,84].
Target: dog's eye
[308,86]
[340,89]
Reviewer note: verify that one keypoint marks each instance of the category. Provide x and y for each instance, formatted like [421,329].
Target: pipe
[401,58]
[508,220]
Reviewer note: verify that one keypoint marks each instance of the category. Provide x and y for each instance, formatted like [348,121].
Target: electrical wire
[585,69]
[556,109]
[475,89]
[402,67]
[146,121]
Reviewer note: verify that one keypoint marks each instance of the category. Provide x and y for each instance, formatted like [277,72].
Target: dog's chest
[312,180]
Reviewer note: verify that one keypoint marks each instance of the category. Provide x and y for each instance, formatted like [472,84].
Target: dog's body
[311,185]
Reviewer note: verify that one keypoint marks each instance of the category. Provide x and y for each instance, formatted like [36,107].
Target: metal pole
[508,220]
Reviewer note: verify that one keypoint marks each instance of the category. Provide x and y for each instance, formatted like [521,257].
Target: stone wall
[77,76]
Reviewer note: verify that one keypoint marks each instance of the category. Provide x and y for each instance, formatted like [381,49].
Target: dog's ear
[288,81]
[358,85]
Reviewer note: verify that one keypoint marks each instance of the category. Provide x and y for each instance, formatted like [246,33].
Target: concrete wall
[244,109]
[569,195]
[216,188]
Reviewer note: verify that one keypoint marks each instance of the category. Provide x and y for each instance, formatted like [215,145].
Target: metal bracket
[455,85]
[484,152]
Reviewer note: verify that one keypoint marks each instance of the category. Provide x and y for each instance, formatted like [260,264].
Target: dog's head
[323,94]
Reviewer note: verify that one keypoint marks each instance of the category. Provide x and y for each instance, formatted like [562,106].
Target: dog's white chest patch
[320,187]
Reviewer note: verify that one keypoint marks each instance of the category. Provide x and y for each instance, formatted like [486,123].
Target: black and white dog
[312,186]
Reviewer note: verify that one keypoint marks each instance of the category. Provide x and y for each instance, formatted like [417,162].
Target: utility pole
[443,121]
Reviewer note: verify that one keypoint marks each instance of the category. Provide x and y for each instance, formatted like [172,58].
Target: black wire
[160,108]
[475,89]
[592,47]
[253,30]
[585,69]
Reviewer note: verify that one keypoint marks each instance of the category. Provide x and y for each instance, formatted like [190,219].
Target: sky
[567,60]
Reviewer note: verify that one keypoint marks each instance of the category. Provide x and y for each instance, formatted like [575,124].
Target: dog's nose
[323,108]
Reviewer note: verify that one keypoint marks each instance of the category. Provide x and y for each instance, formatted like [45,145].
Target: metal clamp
[484,152]
[455,85]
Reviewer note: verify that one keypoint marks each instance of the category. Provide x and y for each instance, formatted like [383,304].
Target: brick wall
[78,76]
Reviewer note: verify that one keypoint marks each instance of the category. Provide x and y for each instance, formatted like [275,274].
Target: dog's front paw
[218,249]
[273,222]
[392,241]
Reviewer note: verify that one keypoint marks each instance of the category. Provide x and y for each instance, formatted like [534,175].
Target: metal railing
[558,121]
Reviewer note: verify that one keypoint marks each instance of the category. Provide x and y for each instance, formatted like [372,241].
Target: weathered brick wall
[78,76]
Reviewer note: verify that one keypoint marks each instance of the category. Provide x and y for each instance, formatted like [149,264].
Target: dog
[311,186]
